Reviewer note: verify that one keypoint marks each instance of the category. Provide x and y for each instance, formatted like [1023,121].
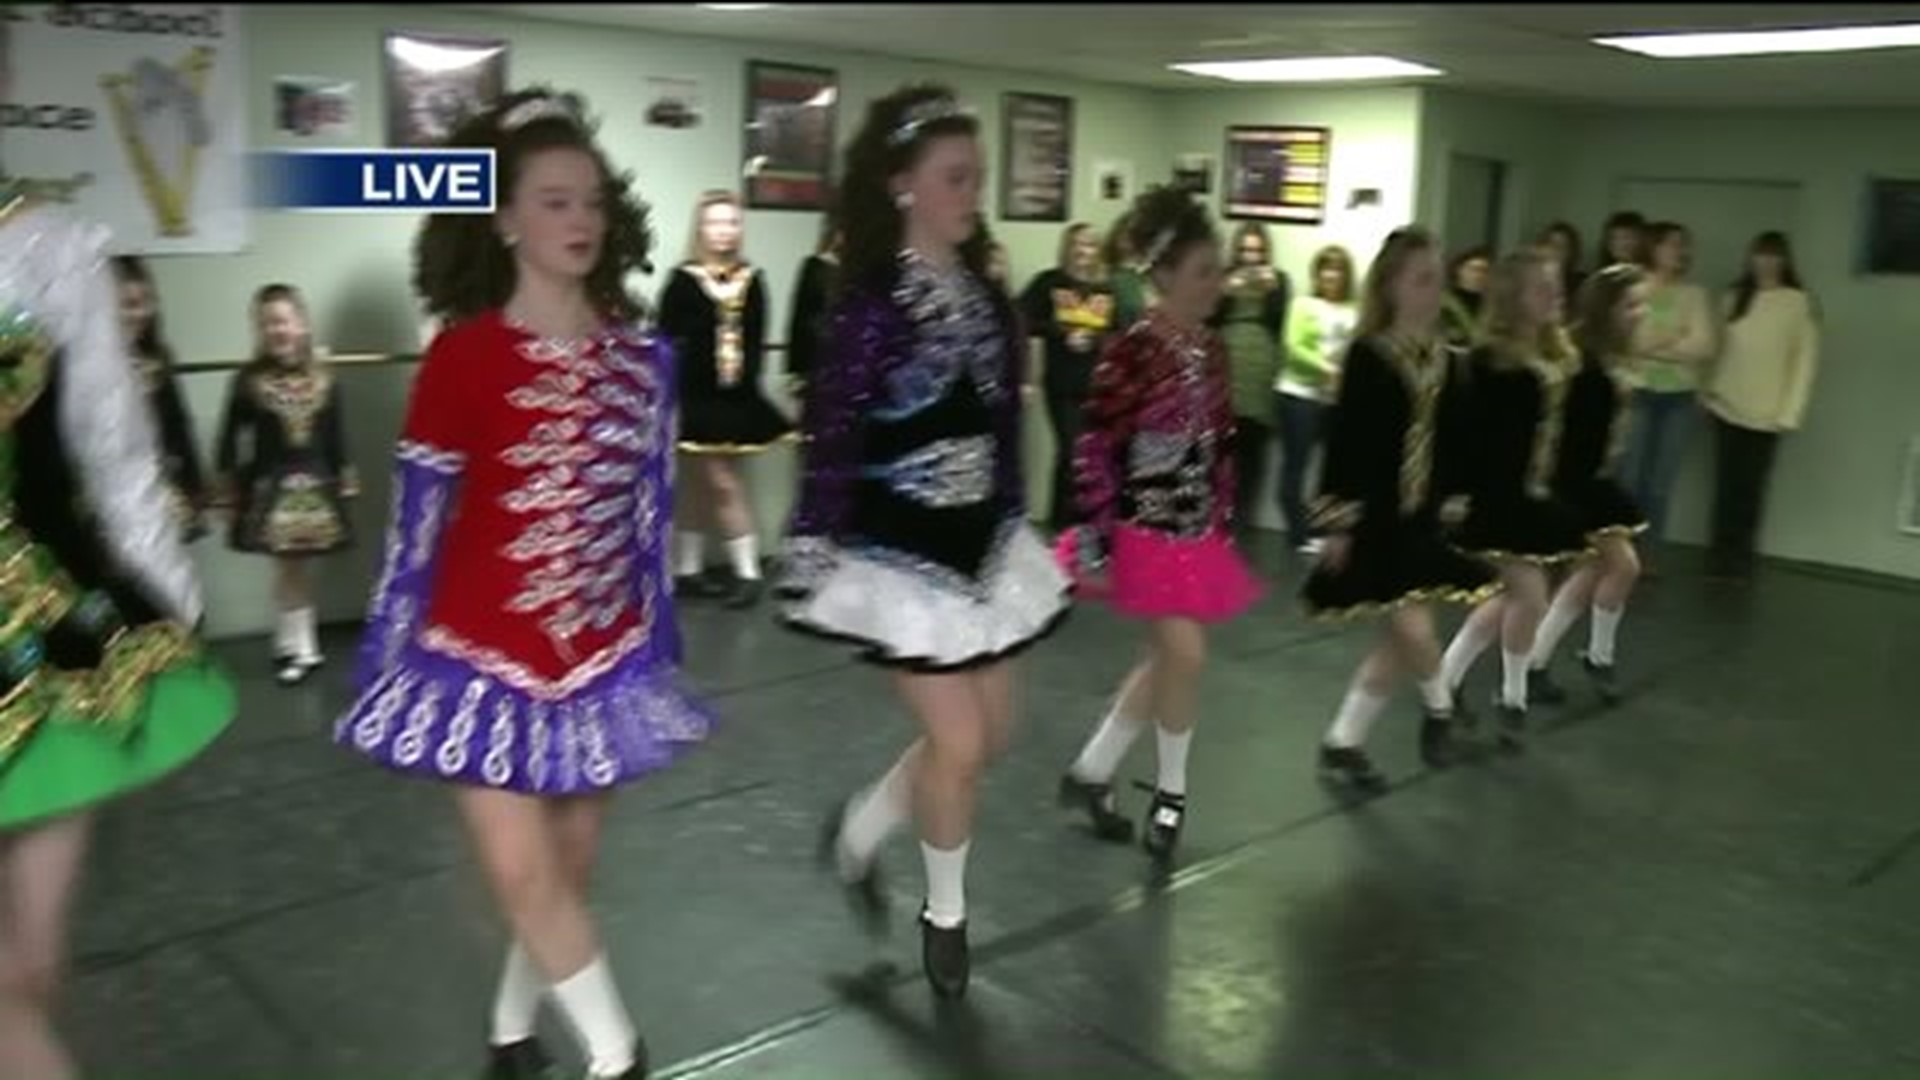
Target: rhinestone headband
[921,115]
[1158,249]
[539,108]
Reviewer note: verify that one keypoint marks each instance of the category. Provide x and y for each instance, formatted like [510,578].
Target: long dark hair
[897,131]
[462,267]
[151,342]
[1659,232]
[1565,231]
[1772,242]
[1624,219]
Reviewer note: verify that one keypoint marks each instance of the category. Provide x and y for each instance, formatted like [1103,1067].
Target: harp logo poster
[134,114]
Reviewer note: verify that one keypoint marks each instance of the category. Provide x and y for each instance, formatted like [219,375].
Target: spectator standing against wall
[1757,392]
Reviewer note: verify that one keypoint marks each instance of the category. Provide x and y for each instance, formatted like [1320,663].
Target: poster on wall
[789,137]
[1278,173]
[135,117]
[1113,180]
[433,82]
[1193,174]
[673,103]
[1036,158]
[1893,227]
[307,107]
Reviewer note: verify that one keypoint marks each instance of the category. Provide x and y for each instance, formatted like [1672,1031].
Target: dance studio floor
[1717,879]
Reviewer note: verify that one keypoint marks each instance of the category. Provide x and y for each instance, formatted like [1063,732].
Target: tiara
[540,108]
[919,116]
[1157,250]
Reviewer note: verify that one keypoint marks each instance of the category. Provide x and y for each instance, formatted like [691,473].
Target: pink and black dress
[1155,479]
[522,633]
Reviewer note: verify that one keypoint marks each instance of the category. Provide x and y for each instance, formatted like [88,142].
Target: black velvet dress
[1594,434]
[718,326]
[807,323]
[1515,411]
[1396,457]
[179,454]
[283,461]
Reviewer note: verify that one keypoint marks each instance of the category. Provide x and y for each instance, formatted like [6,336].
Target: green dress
[1252,320]
[99,693]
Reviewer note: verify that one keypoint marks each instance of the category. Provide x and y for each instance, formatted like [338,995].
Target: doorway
[1476,202]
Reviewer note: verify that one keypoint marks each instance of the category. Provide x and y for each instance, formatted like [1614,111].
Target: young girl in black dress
[283,468]
[1394,478]
[714,310]
[1518,522]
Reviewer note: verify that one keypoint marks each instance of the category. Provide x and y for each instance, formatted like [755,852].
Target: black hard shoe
[1438,748]
[524,1060]
[1542,687]
[1164,819]
[1350,765]
[1465,719]
[744,593]
[1097,800]
[292,671]
[1513,727]
[866,894]
[945,957]
[697,587]
[1605,681]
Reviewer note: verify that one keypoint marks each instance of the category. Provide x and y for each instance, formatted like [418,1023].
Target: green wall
[357,276]
[1838,480]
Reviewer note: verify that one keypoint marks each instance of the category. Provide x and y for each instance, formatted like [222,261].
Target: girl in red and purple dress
[1155,479]
[521,643]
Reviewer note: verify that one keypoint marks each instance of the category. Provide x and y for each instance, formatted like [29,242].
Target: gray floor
[1714,880]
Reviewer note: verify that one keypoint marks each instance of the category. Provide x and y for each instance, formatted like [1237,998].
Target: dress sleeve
[1467,413]
[235,419]
[1010,478]
[176,434]
[339,457]
[1099,468]
[1351,440]
[803,322]
[429,460]
[657,478]
[860,342]
[105,422]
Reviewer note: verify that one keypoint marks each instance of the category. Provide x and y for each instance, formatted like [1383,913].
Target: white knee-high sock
[1513,679]
[1108,747]
[1601,634]
[309,635]
[1173,759]
[1436,695]
[1475,637]
[286,634]
[745,553]
[1560,617]
[946,884]
[592,1005]
[876,813]
[693,554]
[516,1007]
[1357,714]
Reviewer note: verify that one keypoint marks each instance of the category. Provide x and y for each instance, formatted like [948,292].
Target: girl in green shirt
[1252,319]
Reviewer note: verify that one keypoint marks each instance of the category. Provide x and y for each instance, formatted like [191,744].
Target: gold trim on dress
[1446,594]
[1624,532]
[741,449]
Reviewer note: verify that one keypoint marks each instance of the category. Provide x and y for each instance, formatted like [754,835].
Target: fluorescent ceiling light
[734,7]
[1308,69]
[1764,42]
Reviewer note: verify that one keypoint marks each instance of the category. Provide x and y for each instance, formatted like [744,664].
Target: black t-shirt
[1072,317]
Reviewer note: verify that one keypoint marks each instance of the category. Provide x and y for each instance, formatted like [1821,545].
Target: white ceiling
[1537,50]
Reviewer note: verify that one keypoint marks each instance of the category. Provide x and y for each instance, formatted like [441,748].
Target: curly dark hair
[151,343]
[461,267]
[874,228]
[1165,223]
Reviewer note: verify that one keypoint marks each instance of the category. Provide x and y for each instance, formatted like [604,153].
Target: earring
[903,201]
[510,240]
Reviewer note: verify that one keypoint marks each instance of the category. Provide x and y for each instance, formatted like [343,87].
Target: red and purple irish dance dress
[522,633]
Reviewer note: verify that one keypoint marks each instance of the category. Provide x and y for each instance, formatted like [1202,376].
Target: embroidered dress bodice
[542,544]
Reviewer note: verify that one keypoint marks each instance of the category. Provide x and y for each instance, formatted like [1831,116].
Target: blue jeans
[1663,423]
[1301,424]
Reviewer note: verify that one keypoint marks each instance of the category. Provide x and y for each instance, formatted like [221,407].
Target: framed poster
[434,82]
[308,107]
[1278,173]
[1036,160]
[673,102]
[143,131]
[1893,227]
[789,139]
